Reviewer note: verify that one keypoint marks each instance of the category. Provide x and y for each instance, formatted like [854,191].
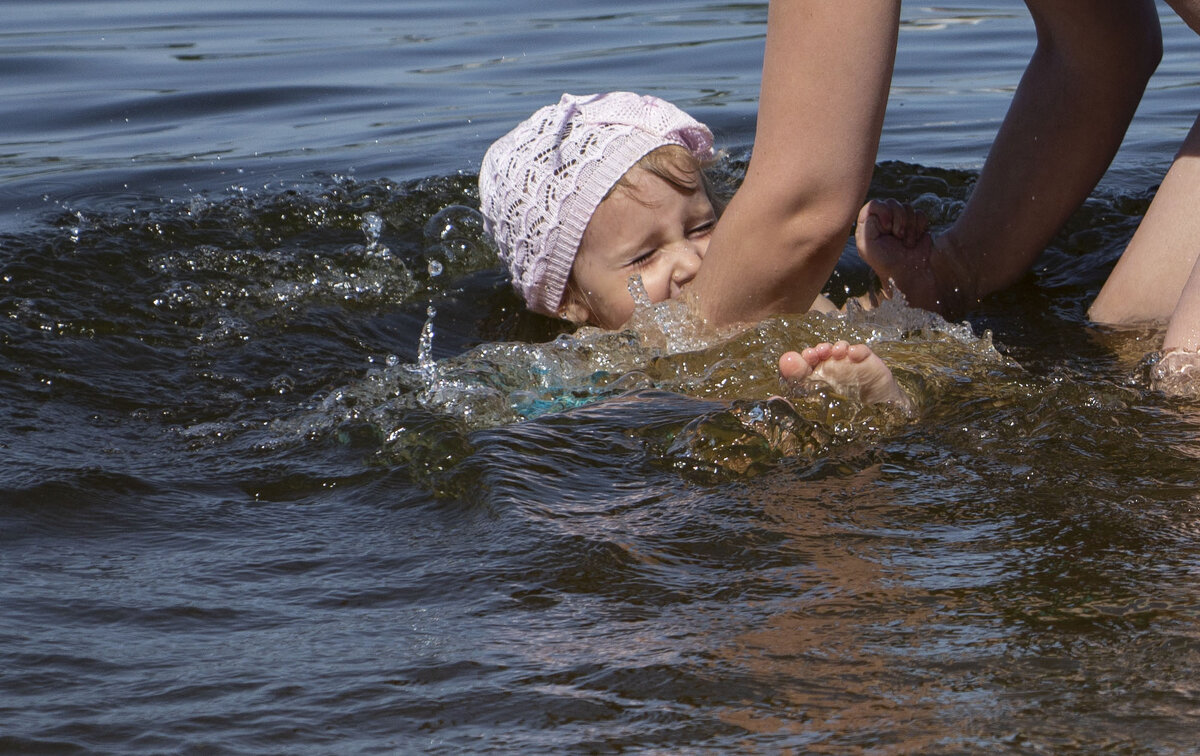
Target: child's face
[655,230]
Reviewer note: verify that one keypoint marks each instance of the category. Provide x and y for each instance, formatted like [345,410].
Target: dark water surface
[256,500]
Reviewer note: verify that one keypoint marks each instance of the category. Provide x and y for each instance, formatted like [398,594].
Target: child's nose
[687,262]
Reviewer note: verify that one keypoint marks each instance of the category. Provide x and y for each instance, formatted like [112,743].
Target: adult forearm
[1189,11]
[1064,126]
[826,74]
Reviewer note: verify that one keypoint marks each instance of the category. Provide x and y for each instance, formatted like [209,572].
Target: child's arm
[826,74]
[900,233]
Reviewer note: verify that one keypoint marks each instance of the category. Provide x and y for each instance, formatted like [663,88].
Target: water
[287,469]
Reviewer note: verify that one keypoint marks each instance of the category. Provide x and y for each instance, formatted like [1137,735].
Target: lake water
[288,470]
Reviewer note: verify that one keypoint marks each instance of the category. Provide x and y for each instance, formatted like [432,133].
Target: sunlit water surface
[289,470]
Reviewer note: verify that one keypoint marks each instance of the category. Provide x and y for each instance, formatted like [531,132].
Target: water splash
[76,229]
[675,322]
[714,409]
[453,236]
[637,290]
[894,319]
[454,222]
[427,367]
[1175,373]
[372,227]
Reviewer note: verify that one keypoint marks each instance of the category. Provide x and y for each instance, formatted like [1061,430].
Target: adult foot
[850,369]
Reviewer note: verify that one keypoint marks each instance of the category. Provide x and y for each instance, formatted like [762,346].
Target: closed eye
[643,259]
[703,229]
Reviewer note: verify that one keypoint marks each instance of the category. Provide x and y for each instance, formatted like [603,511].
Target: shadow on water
[416,527]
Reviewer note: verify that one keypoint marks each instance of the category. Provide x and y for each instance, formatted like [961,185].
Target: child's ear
[574,310]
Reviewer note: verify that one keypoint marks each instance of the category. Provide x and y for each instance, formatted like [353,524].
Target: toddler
[594,190]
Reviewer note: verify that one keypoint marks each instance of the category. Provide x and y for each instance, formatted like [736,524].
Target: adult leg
[1066,121]
[1179,370]
[1147,282]
[1184,330]
[1156,278]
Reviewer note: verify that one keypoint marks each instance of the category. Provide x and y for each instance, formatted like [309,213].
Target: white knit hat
[540,184]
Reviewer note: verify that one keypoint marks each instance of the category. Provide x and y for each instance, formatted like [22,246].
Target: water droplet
[425,362]
[435,268]
[453,222]
[637,290]
[372,226]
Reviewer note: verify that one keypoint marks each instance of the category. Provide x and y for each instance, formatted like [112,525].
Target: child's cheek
[659,287]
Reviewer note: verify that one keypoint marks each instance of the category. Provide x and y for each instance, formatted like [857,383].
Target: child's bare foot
[851,369]
[893,239]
